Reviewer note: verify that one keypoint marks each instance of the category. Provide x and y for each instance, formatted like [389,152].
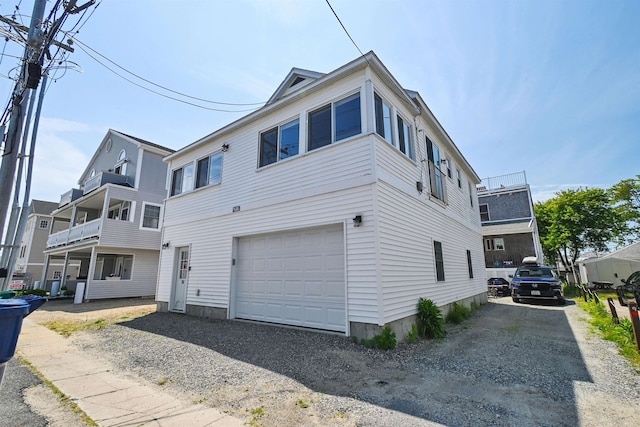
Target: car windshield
[634,279]
[534,271]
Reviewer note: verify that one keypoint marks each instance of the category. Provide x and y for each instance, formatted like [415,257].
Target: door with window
[179,291]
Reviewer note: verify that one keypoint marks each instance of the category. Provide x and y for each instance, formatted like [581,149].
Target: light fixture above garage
[357,220]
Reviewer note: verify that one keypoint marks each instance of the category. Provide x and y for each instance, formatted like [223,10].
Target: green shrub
[68,293]
[38,292]
[458,314]
[412,335]
[570,291]
[430,321]
[386,340]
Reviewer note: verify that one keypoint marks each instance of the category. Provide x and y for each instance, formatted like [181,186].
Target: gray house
[30,261]
[509,228]
[112,222]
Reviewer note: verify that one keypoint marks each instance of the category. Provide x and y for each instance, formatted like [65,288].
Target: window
[435,174]
[448,163]
[437,251]
[182,180]
[92,173]
[209,170]
[279,143]
[469,264]
[124,213]
[334,122]
[121,165]
[151,216]
[405,143]
[459,178]
[383,119]
[22,251]
[44,223]
[122,156]
[57,275]
[484,212]
[494,244]
[470,194]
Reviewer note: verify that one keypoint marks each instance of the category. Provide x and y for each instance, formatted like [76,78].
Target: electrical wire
[345,30]
[161,94]
[163,87]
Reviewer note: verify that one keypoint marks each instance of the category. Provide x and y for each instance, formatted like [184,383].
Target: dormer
[295,80]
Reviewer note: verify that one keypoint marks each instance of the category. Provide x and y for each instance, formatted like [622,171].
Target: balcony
[517,179]
[105,178]
[70,196]
[75,234]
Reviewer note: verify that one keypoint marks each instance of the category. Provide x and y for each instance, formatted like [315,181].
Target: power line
[81,44]
[158,93]
[345,29]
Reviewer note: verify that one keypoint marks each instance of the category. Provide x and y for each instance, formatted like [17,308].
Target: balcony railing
[105,178]
[503,181]
[75,234]
[70,196]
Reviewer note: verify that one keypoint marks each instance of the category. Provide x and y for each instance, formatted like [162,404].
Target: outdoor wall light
[165,245]
[357,220]
[419,186]
[225,147]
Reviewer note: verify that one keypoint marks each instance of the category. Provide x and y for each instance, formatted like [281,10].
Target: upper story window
[44,223]
[470,194]
[405,142]
[151,216]
[459,178]
[182,180]
[334,122]
[92,173]
[209,170]
[384,126]
[121,165]
[279,143]
[484,212]
[435,172]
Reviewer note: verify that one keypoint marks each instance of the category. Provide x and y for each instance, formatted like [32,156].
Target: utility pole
[32,64]
[37,44]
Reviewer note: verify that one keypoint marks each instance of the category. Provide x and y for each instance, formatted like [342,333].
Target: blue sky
[548,87]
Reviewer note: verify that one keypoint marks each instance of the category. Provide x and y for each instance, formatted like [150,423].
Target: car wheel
[516,300]
[562,301]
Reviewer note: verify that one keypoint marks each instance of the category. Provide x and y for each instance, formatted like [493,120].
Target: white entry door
[179,291]
[293,278]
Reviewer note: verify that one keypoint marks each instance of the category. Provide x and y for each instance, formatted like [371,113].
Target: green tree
[576,220]
[626,196]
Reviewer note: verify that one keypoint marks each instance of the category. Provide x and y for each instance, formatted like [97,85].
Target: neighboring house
[30,261]
[509,227]
[112,223]
[336,206]
[612,267]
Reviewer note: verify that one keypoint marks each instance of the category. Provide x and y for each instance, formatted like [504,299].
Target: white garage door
[293,278]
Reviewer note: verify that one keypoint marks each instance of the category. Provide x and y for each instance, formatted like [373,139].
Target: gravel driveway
[510,364]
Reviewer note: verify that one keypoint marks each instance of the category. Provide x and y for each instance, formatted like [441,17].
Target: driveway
[510,364]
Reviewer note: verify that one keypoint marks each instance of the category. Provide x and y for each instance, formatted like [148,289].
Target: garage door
[293,278]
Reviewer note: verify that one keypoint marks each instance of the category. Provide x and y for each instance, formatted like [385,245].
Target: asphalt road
[13,410]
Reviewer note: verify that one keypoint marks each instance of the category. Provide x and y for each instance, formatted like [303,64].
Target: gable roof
[138,142]
[296,79]
[630,253]
[283,96]
[42,207]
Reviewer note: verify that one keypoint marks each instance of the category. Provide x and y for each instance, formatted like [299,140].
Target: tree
[576,220]
[626,196]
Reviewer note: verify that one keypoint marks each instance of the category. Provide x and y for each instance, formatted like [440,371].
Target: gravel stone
[508,365]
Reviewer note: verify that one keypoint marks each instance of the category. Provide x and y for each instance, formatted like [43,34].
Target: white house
[111,224]
[336,206]
[612,267]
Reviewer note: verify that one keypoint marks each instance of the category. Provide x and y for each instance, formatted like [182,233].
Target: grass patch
[64,399]
[256,413]
[458,314]
[302,404]
[620,334]
[66,327]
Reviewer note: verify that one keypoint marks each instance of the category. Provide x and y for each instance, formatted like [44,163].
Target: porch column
[63,279]
[45,270]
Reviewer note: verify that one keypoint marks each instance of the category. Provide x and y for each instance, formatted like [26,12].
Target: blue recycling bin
[12,311]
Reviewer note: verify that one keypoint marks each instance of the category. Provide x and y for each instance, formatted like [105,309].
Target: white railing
[503,181]
[74,234]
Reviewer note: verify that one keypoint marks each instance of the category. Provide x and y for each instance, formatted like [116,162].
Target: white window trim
[144,205]
[301,139]
[333,121]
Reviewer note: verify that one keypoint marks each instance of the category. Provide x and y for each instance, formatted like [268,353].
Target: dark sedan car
[499,284]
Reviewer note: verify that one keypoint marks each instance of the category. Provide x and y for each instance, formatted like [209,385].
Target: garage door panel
[303,282]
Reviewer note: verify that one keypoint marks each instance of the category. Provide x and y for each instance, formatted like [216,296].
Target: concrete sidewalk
[107,398]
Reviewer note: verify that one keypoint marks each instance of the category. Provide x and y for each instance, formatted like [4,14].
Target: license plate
[535,292]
